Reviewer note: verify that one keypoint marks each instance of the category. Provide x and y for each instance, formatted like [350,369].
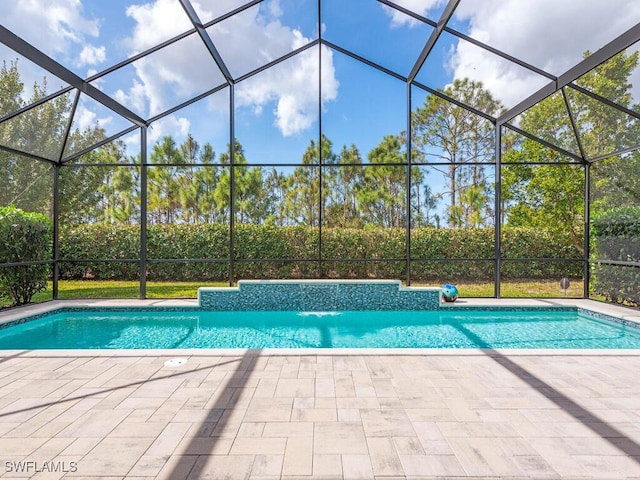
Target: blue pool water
[147,329]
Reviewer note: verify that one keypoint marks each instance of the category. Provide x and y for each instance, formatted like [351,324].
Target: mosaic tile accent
[29,318]
[319,296]
[507,308]
[49,313]
[608,318]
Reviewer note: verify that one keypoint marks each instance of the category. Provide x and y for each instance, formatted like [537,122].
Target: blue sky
[277,112]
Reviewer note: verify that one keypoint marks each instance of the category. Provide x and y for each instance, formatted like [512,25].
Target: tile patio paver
[214,467]
[266,466]
[323,415]
[384,456]
[356,467]
[178,424]
[327,466]
[298,456]
[340,438]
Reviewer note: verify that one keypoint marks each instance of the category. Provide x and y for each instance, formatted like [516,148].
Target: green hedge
[104,241]
[523,242]
[616,236]
[292,252]
[24,237]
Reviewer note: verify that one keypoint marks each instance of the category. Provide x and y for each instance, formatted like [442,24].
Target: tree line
[455,143]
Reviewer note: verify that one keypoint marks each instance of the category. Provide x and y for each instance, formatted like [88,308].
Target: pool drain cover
[175,362]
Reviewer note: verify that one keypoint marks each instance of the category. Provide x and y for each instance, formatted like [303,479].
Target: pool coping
[625,314]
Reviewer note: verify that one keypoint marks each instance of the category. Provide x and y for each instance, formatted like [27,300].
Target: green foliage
[383,196]
[620,222]
[616,237]
[531,242]
[446,243]
[100,241]
[187,241]
[303,185]
[614,182]
[371,244]
[40,130]
[603,129]
[292,252]
[546,196]
[445,132]
[550,195]
[24,237]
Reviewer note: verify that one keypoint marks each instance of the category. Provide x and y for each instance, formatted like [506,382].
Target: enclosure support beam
[408,187]
[498,211]
[36,56]
[143,213]
[206,39]
[320,269]
[431,41]
[232,186]
[320,159]
[574,124]
[587,227]
[56,229]
[67,129]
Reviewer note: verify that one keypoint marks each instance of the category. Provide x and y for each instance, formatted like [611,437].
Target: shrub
[616,236]
[210,241]
[100,241]
[292,252]
[24,237]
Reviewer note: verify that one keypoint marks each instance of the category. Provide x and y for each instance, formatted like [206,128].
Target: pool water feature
[195,328]
[319,295]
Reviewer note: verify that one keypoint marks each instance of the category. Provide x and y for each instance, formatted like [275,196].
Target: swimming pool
[464,328]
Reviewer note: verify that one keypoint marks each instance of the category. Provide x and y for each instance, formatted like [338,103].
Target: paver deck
[320,415]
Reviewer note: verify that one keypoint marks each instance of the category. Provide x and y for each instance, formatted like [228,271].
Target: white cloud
[170,125]
[51,25]
[91,55]
[246,41]
[506,81]
[549,34]
[421,7]
[209,9]
[170,76]
[85,118]
[257,36]
[254,37]
[134,98]
[59,28]
[173,74]
[156,22]
[293,87]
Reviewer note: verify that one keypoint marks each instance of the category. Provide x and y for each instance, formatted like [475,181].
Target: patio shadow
[611,434]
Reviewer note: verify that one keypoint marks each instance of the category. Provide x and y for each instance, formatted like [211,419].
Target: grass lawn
[523,289]
[70,289]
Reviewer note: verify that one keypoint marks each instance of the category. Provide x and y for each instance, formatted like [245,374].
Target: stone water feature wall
[319,295]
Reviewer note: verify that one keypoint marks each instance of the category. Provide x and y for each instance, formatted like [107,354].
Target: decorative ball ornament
[449,292]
